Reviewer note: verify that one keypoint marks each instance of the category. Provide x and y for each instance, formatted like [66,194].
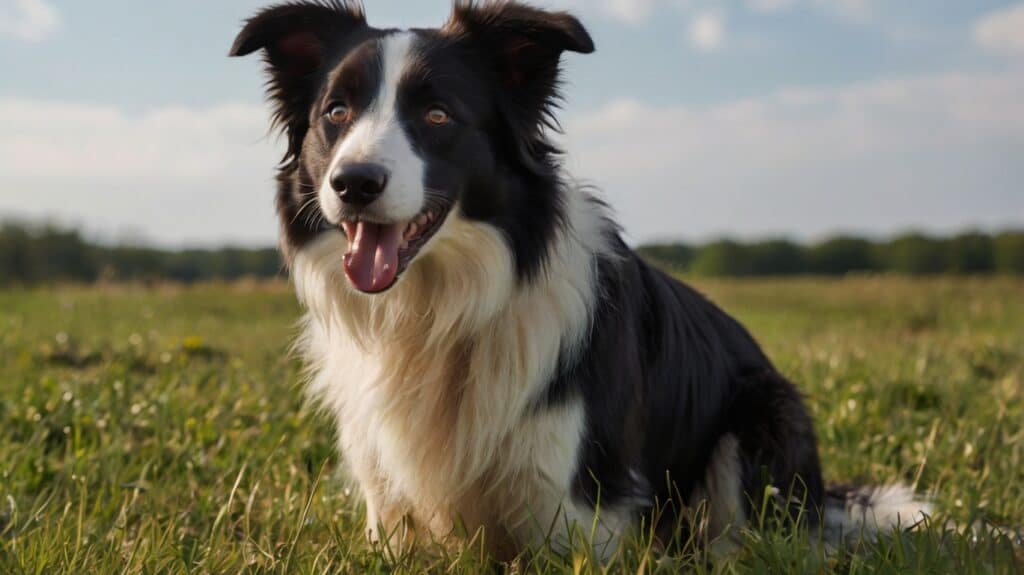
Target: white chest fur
[432,384]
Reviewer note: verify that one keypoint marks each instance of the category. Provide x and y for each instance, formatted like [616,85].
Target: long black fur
[665,376]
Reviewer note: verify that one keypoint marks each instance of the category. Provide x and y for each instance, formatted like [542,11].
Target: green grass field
[164,431]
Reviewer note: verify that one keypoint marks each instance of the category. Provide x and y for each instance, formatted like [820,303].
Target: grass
[164,431]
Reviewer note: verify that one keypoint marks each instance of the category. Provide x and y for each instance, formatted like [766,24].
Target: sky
[697,119]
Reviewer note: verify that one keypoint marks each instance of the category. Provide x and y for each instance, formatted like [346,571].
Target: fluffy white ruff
[432,383]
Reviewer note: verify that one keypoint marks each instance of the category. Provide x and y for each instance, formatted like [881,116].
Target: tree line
[32,254]
[972,253]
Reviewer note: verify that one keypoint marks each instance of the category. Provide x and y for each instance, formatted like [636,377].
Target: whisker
[436,199]
[308,203]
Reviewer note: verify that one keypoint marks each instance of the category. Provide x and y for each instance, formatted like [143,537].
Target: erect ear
[296,39]
[525,45]
[297,35]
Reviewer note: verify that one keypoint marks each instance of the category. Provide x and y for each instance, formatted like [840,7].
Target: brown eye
[338,114]
[438,117]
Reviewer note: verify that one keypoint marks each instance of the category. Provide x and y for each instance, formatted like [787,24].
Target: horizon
[43,227]
[796,119]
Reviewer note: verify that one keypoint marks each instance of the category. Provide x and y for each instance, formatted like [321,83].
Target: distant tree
[30,254]
[731,258]
[188,265]
[1009,253]
[723,258]
[16,265]
[970,253]
[673,256]
[776,257]
[914,254]
[264,263]
[841,255]
[132,263]
[63,255]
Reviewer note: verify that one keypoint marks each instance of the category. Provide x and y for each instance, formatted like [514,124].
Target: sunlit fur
[429,382]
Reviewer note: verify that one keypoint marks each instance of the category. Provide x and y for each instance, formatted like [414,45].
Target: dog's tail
[853,513]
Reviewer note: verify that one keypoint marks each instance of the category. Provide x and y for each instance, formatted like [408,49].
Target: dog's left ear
[524,44]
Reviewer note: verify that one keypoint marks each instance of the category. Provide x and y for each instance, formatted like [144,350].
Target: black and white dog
[493,353]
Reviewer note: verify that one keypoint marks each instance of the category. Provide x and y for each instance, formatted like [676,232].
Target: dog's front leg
[386,511]
[388,523]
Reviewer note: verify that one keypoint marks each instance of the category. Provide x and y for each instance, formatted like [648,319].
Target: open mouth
[379,253]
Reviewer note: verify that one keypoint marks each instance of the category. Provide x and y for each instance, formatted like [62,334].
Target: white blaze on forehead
[378,137]
[396,54]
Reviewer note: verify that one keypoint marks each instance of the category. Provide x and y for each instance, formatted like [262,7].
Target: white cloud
[770,6]
[632,12]
[938,152]
[1001,31]
[172,174]
[28,20]
[707,31]
[851,9]
[637,12]
[935,152]
[43,139]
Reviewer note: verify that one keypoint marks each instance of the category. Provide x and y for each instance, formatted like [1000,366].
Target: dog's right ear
[296,39]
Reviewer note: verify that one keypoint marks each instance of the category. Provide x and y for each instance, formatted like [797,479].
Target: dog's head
[391,134]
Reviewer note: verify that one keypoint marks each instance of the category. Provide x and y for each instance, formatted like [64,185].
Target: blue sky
[698,119]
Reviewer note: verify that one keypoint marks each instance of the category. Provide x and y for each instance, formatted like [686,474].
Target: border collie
[493,353]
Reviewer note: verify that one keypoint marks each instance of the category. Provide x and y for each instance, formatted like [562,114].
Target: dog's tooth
[422,220]
[411,232]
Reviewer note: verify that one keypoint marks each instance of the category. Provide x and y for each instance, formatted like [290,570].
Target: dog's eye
[438,117]
[338,114]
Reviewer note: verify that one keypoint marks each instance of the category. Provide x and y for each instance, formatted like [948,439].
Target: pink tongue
[371,263]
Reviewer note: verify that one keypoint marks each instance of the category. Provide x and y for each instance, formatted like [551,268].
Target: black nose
[359,184]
